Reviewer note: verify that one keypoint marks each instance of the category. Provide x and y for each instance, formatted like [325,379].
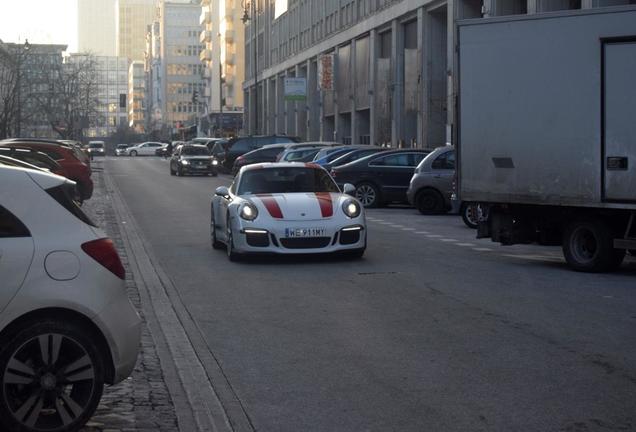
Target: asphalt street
[432,330]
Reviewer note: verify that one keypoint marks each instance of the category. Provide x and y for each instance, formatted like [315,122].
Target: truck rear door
[619,119]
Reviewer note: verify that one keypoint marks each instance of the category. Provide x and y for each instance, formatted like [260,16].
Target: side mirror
[349,189]
[222,191]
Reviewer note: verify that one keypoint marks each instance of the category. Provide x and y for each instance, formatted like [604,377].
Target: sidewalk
[142,402]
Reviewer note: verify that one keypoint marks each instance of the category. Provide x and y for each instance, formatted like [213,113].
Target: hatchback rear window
[63,194]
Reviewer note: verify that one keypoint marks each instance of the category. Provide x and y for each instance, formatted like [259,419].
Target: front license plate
[305,232]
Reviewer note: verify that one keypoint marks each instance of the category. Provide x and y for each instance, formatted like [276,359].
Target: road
[432,330]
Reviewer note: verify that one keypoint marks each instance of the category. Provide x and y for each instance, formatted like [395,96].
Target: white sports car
[289,208]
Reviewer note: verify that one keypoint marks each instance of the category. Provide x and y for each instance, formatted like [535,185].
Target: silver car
[432,187]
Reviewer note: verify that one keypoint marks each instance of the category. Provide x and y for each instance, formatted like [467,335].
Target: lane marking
[482,249]
[408,229]
[448,240]
[397,226]
[421,232]
[433,235]
[466,244]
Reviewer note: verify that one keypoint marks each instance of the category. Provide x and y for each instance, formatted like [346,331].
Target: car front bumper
[276,239]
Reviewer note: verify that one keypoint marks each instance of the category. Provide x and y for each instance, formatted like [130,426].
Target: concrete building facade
[223,54]
[137,97]
[132,20]
[377,71]
[96,30]
[180,72]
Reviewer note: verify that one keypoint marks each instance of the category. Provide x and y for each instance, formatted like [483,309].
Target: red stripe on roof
[326,203]
[271,205]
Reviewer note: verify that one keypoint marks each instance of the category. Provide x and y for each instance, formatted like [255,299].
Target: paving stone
[142,402]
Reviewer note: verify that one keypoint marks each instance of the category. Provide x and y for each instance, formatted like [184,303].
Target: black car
[193,159]
[265,154]
[380,178]
[351,156]
[240,145]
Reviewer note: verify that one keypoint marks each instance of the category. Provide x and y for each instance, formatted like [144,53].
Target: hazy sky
[40,21]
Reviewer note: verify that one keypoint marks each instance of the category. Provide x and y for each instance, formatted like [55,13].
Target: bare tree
[11,80]
[69,101]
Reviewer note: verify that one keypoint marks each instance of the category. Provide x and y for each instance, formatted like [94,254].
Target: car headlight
[248,212]
[351,208]
[215,162]
[185,162]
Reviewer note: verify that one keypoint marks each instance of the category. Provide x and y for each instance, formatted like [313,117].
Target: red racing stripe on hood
[271,205]
[326,203]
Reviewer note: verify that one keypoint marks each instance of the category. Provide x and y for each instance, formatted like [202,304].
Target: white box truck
[547,130]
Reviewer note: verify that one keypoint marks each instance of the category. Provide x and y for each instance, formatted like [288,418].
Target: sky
[39,21]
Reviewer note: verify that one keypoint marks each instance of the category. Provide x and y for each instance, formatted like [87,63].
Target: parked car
[299,154]
[267,153]
[67,326]
[286,208]
[352,155]
[33,157]
[240,145]
[381,178]
[431,189]
[217,148]
[120,150]
[193,159]
[318,145]
[327,155]
[81,152]
[66,157]
[96,148]
[9,161]
[144,149]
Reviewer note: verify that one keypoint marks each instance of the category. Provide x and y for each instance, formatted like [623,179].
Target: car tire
[171,170]
[179,172]
[429,202]
[368,194]
[232,255]
[214,241]
[133,153]
[470,214]
[588,246]
[41,394]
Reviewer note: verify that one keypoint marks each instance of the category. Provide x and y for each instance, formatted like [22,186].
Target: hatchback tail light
[103,251]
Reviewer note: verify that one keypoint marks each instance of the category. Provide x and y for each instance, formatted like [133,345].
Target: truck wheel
[429,202]
[588,246]
[470,214]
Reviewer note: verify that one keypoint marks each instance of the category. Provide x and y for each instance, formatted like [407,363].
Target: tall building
[181,75]
[132,20]
[96,27]
[136,97]
[111,93]
[374,71]
[223,56]
[154,79]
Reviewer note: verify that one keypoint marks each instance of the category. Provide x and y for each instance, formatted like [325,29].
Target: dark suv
[240,145]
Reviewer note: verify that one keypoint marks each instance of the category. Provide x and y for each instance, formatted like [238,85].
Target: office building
[96,27]
[136,97]
[132,20]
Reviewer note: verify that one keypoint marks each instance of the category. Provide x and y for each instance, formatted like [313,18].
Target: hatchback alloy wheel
[52,381]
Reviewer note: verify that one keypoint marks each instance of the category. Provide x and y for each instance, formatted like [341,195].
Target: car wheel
[429,202]
[368,195]
[470,214]
[52,377]
[171,170]
[588,246]
[216,244]
[133,153]
[179,171]
[229,246]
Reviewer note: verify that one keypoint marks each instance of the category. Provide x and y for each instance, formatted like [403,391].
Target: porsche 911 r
[286,208]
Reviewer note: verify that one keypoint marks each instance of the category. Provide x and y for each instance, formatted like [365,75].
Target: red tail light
[103,251]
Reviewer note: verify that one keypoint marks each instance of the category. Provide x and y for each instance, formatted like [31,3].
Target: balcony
[205,36]
[206,17]
[229,36]
[206,55]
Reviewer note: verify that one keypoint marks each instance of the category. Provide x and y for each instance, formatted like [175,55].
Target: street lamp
[249,7]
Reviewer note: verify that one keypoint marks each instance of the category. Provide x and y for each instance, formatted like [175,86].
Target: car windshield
[195,151]
[122,146]
[285,180]
[96,145]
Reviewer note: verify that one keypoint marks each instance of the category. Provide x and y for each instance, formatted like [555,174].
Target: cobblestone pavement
[141,402]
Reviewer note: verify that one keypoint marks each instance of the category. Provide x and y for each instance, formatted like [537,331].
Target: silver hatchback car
[432,187]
